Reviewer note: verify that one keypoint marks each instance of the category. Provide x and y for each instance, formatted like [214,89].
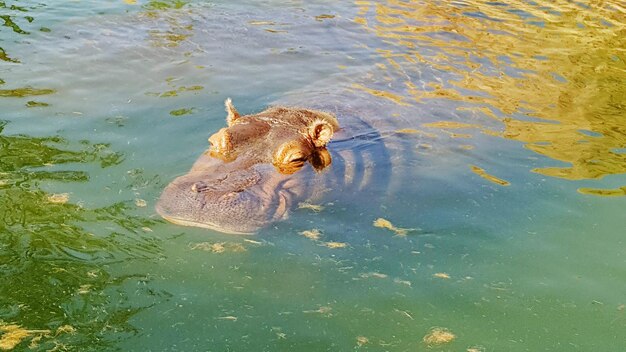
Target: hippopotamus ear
[232,112]
[221,144]
[322,129]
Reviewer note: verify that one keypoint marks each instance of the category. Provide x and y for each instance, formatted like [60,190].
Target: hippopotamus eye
[290,157]
[296,157]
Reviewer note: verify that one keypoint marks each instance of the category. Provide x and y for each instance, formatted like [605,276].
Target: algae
[335,245]
[33,104]
[386,224]
[59,198]
[181,112]
[5,57]
[25,92]
[165,4]
[439,336]
[218,247]
[314,207]
[362,340]
[313,234]
[482,173]
[54,252]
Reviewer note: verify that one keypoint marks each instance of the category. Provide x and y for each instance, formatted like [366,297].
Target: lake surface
[493,149]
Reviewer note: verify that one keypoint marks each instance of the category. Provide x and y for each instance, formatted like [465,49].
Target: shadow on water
[58,288]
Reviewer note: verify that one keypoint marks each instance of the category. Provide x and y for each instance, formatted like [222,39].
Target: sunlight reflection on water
[440,226]
[545,71]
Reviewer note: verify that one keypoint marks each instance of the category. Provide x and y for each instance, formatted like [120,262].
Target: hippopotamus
[254,170]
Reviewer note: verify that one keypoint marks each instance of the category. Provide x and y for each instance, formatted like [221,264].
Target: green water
[495,131]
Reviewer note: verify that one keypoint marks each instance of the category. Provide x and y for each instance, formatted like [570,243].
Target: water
[494,131]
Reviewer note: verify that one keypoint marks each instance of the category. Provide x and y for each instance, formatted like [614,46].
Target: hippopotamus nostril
[199,186]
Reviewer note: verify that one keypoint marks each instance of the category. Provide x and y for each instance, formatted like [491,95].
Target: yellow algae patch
[415,131]
[386,224]
[362,340]
[481,172]
[314,234]
[275,30]
[25,92]
[617,192]
[13,335]
[407,130]
[450,125]
[398,99]
[59,198]
[334,245]
[84,289]
[34,342]
[438,336]
[212,247]
[140,203]
[441,275]
[65,329]
[261,23]
[315,207]
[476,349]
[323,17]
[217,247]
[130,2]
[236,247]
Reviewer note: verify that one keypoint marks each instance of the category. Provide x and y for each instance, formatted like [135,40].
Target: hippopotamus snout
[238,202]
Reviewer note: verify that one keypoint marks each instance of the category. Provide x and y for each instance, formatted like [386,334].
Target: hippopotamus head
[250,174]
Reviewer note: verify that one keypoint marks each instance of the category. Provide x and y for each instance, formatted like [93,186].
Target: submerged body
[253,170]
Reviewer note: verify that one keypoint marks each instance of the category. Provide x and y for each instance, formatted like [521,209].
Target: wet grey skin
[253,172]
[225,199]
